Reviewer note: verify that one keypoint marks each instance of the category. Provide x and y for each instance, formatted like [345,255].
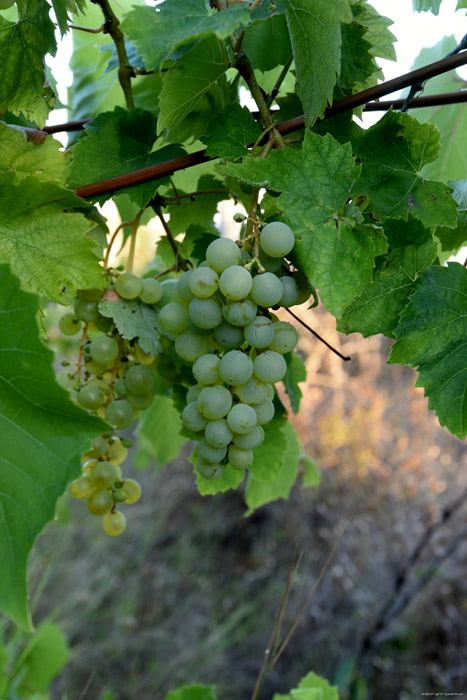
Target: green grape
[94,368]
[228,336]
[222,253]
[270,367]
[217,433]
[104,349]
[277,239]
[238,458]
[264,411]
[206,369]
[81,488]
[211,454]
[100,446]
[270,264]
[114,523]
[241,418]
[183,288]
[192,418]
[190,346]
[285,337]
[270,391]
[260,332]
[290,294]
[214,402]
[249,440]
[116,452]
[128,285]
[252,392]
[235,367]
[140,401]
[104,324]
[208,470]
[168,292]
[204,282]
[90,397]
[120,387]
[205,313]
[235,283]
[266,290]
[119,414]
[151,291]
[66,380]
[69,324]
[197,330]
[174,318]
[103,475]
[303,285]
[133,490]
[126,442]
[239,313]
[144,358]
[194,391]
[100,502]
[86,309]
[139,380]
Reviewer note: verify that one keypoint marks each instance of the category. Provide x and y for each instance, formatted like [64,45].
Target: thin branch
[168,232]
[98,30]
[275,90]
[305,325]
[191,195]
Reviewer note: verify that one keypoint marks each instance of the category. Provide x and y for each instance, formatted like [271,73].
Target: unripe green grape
[174,318]
[104,349]
[208,470]
[128,285]
[204,282]
[69,324]
[190,346]
[228,336]
[66,380]
[132,489]
[151,291]
[303,285]
[169,288]
[211,454]
[116,452]
[103,475]
[86,309]
[194,391]
[214,402]
[235,283]
[114,523]
[235,367]
[217,433]
[100,502]
[266,290]
[119,495]
[249,440]
[239,313]
[104,324]
[270,367]
[206,369]
[285,337]
[270,392]
[238,458]
[260,332]
[241,418]
[88,466]
[100,446]
[144,358]
[183,287]
[139,380]
[252,392]
[120,387]
[264,411]
[95,368]
[140,401]
[270,264]
[277,239]
[119,414]
[205,313]
[290,293]
[192,419]
[81,488]
[222,253]
[90,397]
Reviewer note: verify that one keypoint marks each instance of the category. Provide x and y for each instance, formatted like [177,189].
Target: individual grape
[69,324]
[249,440]
[116,453]
[183,288]
[205,313]
[206,369]
[238,458]
[132,489]
[260,332]
[264,411]
[174,318]
[144,358]
[303,285]
[290,294]
[239,313]
[104,349]
[235,283]
[190,346]
[169,288]
[270,367]
[266,290]
[192,419]
[194,391]
[208,470]
[277,239]
[81,488]
[128,285]
[214,402]
[120,387]
[204,282]
[100,502]
[235,367]
[104,324]
[90,397]
[103,475]
[228,336]
[88,466]
[270,391]
[270,264]
[139,380]
[151,291]
[211,454]
[252,392]
[140,401]
[66,380]
[241,418]
[218,433]
[95,368]
[99,446]
[114,523]
[120,414]
[285,337]
[222,253]
[86,309]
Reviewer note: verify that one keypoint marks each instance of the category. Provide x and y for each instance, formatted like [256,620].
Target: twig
[168,232]
[275,90]
[305,325]
[98,30]
[112,241]
[190,195]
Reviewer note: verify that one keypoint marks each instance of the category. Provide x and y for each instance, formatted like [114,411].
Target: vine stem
[168,232]
[98,30]
[134,232]
[328,345]
[275,90]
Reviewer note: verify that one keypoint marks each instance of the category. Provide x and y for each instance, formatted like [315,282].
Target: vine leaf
[452,239]
[43,436]
[261,36]
[134,320]
[270,455]
[426,6]
[230,132]
[63,7]
[159,430]
[42,659]
[312,687]
[296,373]
[39,237]
[26,158]
[198,211]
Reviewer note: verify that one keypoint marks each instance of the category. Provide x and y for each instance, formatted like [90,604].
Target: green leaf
[377,309]
[359,69]
[313,682]
[315,33]
[159,430]
[200,210]
[43,436]
[262,36]
[377,32]
[193,692]
[270,455]
[452,239]
[23,45]
[157,32]
[26,158]
[61,9]
[230,132]
[116,143]
[312,475]
[268,8]
[39,238]
[296,373]
[133,320]
[426,6]
[43,658]
[461,5]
